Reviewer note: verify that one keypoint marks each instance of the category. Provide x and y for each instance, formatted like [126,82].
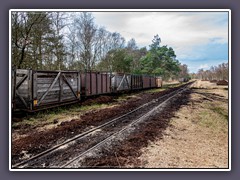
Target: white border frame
[126,10]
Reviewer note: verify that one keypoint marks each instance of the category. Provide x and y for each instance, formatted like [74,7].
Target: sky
[199,39]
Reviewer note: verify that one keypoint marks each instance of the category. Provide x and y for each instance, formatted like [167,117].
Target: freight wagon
[95,83]
[183,79]
[34,90]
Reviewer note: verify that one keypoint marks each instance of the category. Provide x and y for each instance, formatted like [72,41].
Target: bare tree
[183,71]
[131,44]
[219,72]
[85,32]
[58,20]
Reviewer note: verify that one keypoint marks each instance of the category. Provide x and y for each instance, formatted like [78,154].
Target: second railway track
[67,153]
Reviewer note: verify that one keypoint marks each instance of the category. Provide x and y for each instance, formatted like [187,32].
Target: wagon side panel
[146,82]
[121,82]
[137,81]
[99,84]
[153,82]
[55,88]
[94,83]
[83,84]
[159,82]
[21,92]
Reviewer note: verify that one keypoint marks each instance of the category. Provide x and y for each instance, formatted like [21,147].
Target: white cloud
[184,31]
[175,28]
[204,66]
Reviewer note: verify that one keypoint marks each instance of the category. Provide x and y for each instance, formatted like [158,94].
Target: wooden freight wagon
[32,90]
[153,83]
[120,82]
[146,82]
[126,82]
[95,83]
[158,82]
[136,82]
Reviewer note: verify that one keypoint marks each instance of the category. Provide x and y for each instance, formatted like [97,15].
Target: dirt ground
[192,132]
[124,152]
[197,136]
[36,139]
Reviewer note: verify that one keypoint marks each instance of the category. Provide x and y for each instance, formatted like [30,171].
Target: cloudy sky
[200,39]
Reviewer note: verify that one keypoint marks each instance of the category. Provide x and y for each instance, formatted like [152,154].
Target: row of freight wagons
[32,90]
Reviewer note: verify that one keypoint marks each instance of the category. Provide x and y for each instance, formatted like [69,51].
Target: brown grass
[197,136]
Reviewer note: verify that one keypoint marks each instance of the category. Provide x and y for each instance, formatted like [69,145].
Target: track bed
[62,155]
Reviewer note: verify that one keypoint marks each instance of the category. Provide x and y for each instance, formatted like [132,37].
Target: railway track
[64,155]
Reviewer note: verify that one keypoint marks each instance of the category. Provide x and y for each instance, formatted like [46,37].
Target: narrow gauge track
[62,155]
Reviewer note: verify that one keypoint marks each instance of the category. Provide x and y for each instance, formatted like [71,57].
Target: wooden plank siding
[35,89]
[21,89]
[57,87]
[136,82]
[121,82]
[146,82]
[159,82]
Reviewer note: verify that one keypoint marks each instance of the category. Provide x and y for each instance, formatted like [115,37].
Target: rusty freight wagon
[149,82]
[32,90]
[95,83]
[136,82]
[125,82]
[152,82]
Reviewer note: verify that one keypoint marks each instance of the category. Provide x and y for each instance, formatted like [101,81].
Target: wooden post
[110,88]
[30,89]
[60,88]
[97,83]
[106,83]
[90,82]
[35,89]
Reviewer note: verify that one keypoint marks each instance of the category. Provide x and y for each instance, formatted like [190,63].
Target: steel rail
[93,129]
[126,127]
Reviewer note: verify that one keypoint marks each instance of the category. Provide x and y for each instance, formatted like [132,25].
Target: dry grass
[197,136]
[47,120]
[52,118]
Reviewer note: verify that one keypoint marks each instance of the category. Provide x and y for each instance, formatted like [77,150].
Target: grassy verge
[214,115]
[60,113]
[74,111]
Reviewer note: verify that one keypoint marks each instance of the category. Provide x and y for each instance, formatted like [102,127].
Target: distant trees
[89,44]
[219,72]
[184,72]
[62,40]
